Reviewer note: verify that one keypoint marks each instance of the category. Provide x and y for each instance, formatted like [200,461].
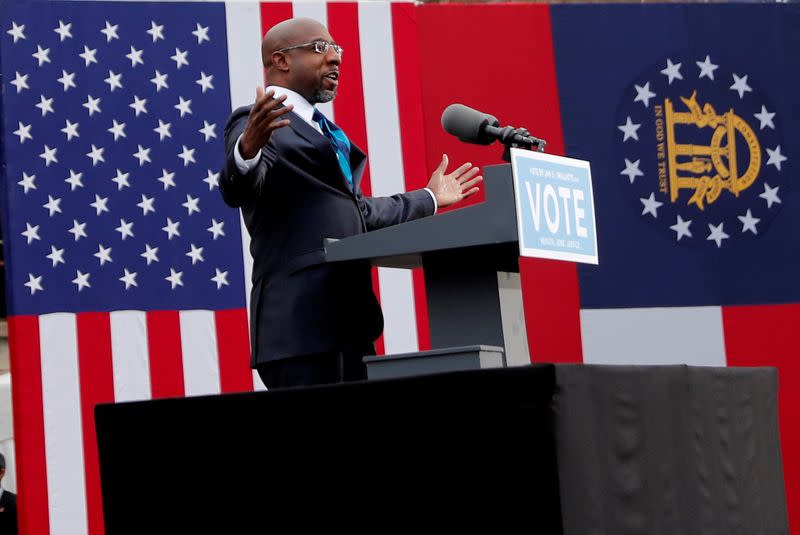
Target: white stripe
[130,355]
[63,439]
[317,11]
[386,162]
[685,335]
[199,348]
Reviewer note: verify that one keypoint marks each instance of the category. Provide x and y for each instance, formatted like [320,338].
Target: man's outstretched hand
[264,118]
[456,186]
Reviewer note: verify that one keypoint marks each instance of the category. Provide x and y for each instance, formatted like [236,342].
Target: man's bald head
[288,33]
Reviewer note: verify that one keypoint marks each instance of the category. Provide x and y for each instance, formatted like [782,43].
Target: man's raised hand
[456,186]
[264,118]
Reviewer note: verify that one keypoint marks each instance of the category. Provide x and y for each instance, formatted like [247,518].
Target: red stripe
[164,346]
[550,289]
[348,107]
[767,336]
[412,124]
[96,375]
[26,391]
[233,348]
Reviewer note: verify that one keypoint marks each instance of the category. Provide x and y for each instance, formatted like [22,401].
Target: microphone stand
[517,138]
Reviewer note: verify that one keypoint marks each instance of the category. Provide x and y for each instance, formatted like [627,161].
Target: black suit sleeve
[380,212]
[237,188]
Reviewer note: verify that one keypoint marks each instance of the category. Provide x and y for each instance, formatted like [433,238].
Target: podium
[470,259]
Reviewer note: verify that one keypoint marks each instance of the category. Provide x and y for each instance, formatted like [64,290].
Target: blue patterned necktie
[339,142]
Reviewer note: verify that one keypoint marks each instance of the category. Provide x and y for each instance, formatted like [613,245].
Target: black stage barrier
[608,449]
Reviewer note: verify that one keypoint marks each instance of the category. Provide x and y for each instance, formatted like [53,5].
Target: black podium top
[486,230]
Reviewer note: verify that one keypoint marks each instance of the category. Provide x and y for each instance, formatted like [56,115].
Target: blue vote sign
[555,207]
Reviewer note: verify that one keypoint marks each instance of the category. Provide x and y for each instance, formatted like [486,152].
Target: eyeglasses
[320,47]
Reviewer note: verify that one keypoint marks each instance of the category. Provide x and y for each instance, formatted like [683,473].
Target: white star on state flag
[172,228]
[775,157]
[651,205]
[717,234]
[129,278]
[201,33]
[150,254]
[208,130]
[78,230]
[196,254]
[631,170]
[143,155]
[31,232]
[135,56]
[24,132]
[187,155]
[163,130]
[110,31]
[20,81]
[629,130]
[174,278]
[212,179]
[672,71]
[56,256]
[88,55]
[160,81]
[42,55]
[34,283]
[113,80]
[183,106]
[74,180]
[167,179]
[124,229]
[100,204]
[765,118]
[749,222]
[643,94]
[191,204]
[70,130]
[103,254]
[681,227]
[121,179]
[147,204]
[205,81]
[707,68]
[118,129]
[53,205]
[45,104]
[216,228]
[18,32]
[81,280]
[49,155]
[770,195]
[27,182]
[138,105]
[221,278]
[156,31]
[67,79]
[180,58]
[96,155]
[92,104]
[740,85]
[63,30]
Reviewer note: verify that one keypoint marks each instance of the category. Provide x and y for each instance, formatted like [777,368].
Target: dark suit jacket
[293,199]
[8,513]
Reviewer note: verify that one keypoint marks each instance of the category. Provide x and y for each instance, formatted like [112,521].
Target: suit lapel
[323,144]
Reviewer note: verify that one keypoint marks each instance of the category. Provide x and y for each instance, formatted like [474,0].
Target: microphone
[472,126]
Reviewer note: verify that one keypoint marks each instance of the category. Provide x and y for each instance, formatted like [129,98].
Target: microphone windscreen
[467,124]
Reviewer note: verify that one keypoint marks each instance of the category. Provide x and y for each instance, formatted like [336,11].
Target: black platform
[636,450]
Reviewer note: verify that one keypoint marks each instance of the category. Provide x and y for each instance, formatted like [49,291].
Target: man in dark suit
[8,505]
[296,177]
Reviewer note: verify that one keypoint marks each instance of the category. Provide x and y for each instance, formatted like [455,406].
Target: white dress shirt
[305,110]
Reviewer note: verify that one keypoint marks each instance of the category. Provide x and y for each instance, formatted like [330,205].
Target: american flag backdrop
[129,279]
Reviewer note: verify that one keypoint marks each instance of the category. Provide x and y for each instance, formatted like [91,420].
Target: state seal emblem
[699,151]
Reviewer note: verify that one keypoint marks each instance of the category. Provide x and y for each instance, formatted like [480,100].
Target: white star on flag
[20,81]
[208,130]
[45,104]
[42,55]
[180,58]
[672,71]
[24,132]
[100,204]
[118,129]
[765,118]
[138,105]
[150,254]
[49,155]
[163,130]
[167,179]
[27,182]
[96,154]
[78,230]
[124,229]
[143,155]
[160,81]
[216,228]
[74,180]
[631,170]
[740,85]
[717,234]
[205,81]
[81,280]
[135,56]
[187,155]
[191,204]
[221,278]
[88,55]
[121,179]
[67,79]
[749,222]
[651,205]
[31,232]
[643,94]
[129,278]
[147,204]
[196,254]
[56,256]
[212,179]
[110,31]
[34,283]
[171,229]
[770,195]
[775,157]
[53,205]
[681,227]
[156,31]
[183,106]
[92,104]
[103,254]
[629,130]
[63,30]
[70,130]
[113,80]
[18,32]
[707,68]
[201,33]
[174,278]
